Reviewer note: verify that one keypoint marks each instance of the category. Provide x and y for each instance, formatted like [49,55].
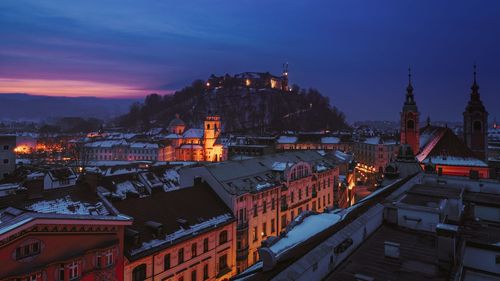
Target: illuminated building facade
[250,80]
[196,144]
[314,141]
[375,153]
[121,150]
[266,193]
[59,238]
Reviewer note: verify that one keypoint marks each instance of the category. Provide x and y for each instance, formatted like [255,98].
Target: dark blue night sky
[356,52]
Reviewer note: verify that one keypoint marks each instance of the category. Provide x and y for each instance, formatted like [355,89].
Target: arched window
[222,237]
[208,126]
[477,126]
[139,273]
[410,124]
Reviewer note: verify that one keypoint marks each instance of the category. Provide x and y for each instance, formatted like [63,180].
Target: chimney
[183,223]
[197,181]
[446,242]
[391,250]
[268,258]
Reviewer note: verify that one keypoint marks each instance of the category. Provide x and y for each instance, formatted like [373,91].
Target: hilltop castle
[250,80]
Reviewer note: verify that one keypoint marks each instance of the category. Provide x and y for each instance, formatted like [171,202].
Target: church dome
[176,122]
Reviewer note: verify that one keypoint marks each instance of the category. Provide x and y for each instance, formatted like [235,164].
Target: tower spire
[409,90]
[475,86]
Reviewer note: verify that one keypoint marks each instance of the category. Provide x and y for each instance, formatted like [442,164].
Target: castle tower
[284,76]
[476,123]
[212,130]
[410,131]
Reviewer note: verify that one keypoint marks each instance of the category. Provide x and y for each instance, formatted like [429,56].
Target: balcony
[284,207]
[242,226]
[242,254]
[314,194]
[223,272]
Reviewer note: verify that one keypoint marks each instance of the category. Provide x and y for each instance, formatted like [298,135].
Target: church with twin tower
[439,145]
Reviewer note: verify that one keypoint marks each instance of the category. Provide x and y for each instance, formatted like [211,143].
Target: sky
[355,52]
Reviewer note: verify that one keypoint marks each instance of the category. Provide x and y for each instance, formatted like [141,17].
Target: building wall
[482,259]
[487,213]
[318,263]
[60,246]
[462,171]
[122,153]
[419,220]
[155,269]
[377,156]
[7,156]
[314,146]
[50,183]
[309,191]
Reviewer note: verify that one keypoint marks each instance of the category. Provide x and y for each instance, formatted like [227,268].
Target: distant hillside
[242,109]
[31,107]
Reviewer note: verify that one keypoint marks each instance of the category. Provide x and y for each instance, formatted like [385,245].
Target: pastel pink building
[266,193]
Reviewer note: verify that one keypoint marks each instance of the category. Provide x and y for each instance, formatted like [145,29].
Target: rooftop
[179,212]
[418,258]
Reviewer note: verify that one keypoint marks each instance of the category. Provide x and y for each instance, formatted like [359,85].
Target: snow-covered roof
[123,188]
[193,134]
[281,166]
[455,161]
[310,226]
[330,140]
[191,146]
[287,139]
[182,233]
[113,143]
[173,136]
[379,140]
[120,171]
[144,145]
[67,206]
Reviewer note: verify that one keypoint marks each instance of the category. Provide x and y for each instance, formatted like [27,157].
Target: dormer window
[28,249]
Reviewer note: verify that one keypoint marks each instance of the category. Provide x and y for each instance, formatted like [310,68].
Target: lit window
[73,270]
[109,257]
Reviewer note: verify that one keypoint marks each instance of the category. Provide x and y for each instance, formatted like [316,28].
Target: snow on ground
[309,227]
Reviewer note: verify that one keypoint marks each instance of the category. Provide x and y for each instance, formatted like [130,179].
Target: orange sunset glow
[66,88]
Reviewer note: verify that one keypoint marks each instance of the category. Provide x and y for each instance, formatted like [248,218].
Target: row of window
[110,157]
[264,208]
[68,271]
[133,151]
[264,229]
[167,261]
[139,272]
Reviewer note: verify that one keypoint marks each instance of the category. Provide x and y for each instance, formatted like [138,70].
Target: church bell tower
[409,129]
[476,123]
